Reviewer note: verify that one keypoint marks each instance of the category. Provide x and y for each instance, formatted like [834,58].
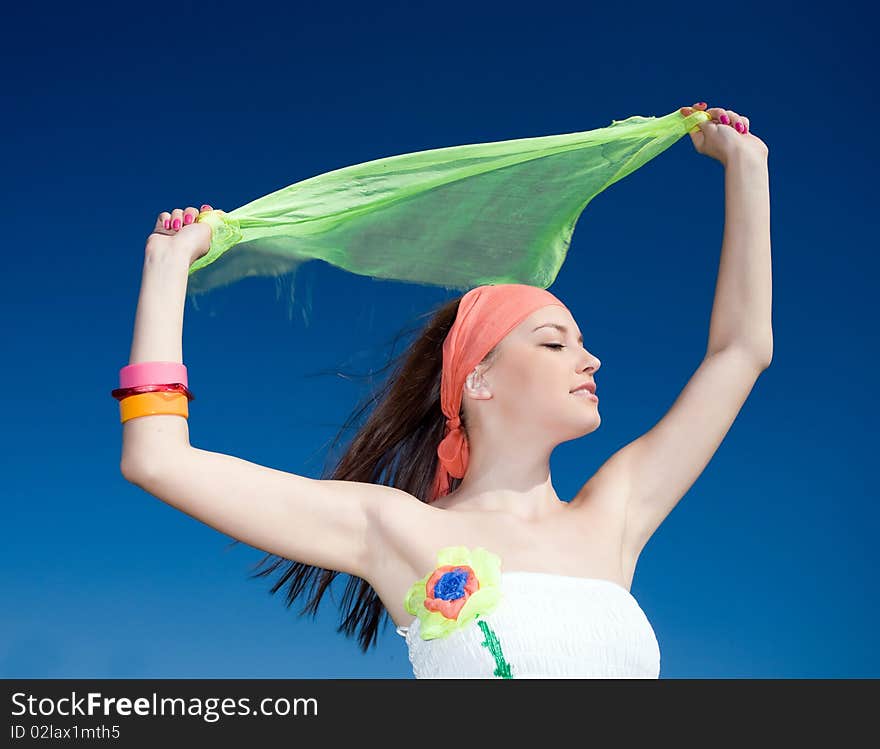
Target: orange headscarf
[485,315]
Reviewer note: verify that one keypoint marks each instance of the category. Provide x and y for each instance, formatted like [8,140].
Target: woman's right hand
[176,234]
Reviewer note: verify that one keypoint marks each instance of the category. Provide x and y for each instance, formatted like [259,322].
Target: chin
[585,427]
[595,425]
[592,424]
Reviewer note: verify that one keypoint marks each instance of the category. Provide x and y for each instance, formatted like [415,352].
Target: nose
[589,362]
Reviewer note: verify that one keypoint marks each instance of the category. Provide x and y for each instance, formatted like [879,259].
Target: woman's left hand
[727,134]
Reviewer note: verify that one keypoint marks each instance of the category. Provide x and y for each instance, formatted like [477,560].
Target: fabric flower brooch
[463,587]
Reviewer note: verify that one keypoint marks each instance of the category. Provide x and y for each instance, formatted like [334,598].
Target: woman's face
[539,363]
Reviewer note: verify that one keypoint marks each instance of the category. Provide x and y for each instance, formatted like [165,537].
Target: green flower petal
[483,602]
[436,625]
[453,555]
[415,598]
[487,567]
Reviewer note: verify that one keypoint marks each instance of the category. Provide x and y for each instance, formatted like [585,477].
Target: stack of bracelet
[138,395]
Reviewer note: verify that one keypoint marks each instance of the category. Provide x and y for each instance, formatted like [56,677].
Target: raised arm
[651,474]
[158,336]
[320,522]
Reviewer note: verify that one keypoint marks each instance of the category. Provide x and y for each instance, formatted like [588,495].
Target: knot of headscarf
[485,315]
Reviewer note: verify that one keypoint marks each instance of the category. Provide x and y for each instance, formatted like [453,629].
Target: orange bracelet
[151,404]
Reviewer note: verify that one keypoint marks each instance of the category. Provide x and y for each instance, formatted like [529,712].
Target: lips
[591,386]
[586,394]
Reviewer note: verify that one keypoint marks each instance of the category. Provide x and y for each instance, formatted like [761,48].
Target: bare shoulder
[394,517]
[602,502]
[607,491]
[393,505]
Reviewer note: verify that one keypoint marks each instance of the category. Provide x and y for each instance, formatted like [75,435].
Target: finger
[206,207]
[163,221]
[737,122]
[176,219]
[189,215]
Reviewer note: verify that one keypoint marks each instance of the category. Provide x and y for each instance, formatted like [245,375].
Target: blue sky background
[113,113]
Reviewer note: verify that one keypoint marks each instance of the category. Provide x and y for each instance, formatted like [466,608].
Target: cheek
[523,380]
[536,392]
[518,392]
[532,384]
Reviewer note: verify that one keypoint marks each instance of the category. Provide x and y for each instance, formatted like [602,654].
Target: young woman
[443,510]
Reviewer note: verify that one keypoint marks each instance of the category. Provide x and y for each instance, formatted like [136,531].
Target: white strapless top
[548,626]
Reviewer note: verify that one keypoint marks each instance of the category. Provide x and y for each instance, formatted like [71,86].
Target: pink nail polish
[188,219]
[175,224]
[725,120]
[167,223]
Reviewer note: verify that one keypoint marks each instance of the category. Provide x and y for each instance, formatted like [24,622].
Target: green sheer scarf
[456,217]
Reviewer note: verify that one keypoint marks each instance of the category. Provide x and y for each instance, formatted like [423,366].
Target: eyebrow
[561,328]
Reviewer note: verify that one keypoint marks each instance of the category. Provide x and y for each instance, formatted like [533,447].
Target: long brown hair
[397,446]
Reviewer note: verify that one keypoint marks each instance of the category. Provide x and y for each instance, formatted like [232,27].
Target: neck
[509,487]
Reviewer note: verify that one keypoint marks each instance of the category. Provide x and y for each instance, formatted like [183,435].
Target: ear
[477,385]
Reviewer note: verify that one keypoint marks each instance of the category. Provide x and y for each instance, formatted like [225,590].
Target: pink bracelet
[150,377]
[151,372]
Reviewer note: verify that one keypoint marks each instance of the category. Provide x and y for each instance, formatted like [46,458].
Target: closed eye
[556,346]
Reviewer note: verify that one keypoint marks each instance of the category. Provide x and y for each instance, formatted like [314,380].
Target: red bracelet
[178,387]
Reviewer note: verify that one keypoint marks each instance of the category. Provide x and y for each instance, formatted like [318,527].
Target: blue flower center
[451,584]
